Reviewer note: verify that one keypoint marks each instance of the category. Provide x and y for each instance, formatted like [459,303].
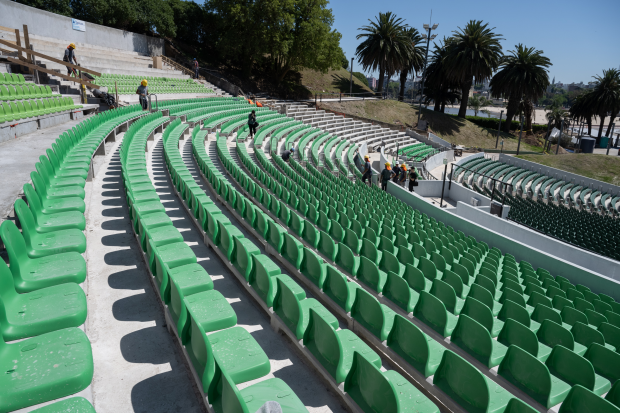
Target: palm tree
[473,54]
[437,86]
[522,76]
[414,60]
[556,114]
[582,110]
[605,97]
[477,102]
[385,45]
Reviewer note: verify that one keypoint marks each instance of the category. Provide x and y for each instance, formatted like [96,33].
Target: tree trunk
[528,109]
[403,80]
[381,79]
[590,126]
[600,130]
[465,86]
[437,105]
[443,107]
[511,110]
[611,120]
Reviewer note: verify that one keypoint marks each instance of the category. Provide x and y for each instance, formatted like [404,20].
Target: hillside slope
[450,128]
[334,81]
[600,167]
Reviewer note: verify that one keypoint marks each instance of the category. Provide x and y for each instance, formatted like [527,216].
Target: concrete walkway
[17,159]
[138,367]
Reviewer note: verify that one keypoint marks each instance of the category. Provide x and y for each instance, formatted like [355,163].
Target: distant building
[372,82]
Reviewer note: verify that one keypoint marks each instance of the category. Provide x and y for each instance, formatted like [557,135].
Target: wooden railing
[180,67]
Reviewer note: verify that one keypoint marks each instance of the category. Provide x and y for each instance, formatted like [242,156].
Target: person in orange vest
[386,175]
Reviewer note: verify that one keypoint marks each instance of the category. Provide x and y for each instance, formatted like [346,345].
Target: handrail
[52,59]
[156,101]
[69,78]
[179,66]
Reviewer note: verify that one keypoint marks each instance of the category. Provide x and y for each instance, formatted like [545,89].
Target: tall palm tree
[384,47]
[477,102]
[605,97]
[583,110]
[522,76]
[414,61]
[474,53]
[438,87]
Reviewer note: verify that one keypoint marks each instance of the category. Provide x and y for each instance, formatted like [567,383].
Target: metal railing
[179,66]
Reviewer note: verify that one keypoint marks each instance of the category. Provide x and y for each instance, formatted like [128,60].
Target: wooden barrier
[41,69]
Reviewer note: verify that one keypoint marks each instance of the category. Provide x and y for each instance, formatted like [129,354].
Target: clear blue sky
[580,37]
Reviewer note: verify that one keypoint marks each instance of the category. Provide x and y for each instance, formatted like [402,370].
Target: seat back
[586,335]
[313,267]
[368,312]
[473,337]
[479,312]
[430,309]
[542,312]
[512,310]
[462,382]
[368,386]
[524,370]
[321,337]
[428,268]
[286,303]
[34,202]
[552,334]
[445,293]
[26,219]
[571,367]
[515,333]
[411,343]
[481,294]
[605,361]
[580,400]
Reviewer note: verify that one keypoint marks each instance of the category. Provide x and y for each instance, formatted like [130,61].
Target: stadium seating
[127,84]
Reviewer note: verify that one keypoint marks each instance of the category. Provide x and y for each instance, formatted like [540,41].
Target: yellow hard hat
[366,157]
[403,165]
[144,82]
[388,164]
[72,45]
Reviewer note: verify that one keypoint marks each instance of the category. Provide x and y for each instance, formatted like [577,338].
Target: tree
[556,114]
[522,77]
[384,47]
[414,60]
[477,102]
[605,98]
[473,54]
[438,87]
[345,63]
[582,110]
[361,77]
[62,7]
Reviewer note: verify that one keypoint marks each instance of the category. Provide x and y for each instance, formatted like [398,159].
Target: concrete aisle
[138,367]
[285,362]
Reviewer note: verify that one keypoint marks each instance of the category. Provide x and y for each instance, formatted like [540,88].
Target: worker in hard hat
[386,175]
[403,175]
[143,91]
[413,179]
[367,172]
[69,57]
[287,154]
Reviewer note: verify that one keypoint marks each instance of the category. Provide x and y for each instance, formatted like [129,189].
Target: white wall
[14,15]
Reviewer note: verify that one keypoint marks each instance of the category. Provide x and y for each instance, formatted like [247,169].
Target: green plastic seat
[397,290]
[515,333]
[475,339]
[262,278]
[482,314]
[335,349]
[418,349]
[292,306]
[582,400]
[71,405]
[532,376]
[551,334]
[42,223]
[44,368]
[339,289]
[372,315]
[574,369]
[586,335]
[167,257]
[383,392]
[432,312]
[469,387]
[251,398]
[185,281]
[371,275]
[313,267]
[611,334]
[613,396]
[606,362]
[447,295]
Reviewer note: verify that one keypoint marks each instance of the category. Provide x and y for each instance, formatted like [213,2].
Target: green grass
[600,167]
[334,81]
[450,128]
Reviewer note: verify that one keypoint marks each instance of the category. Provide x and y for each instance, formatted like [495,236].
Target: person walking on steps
[195,68]
[252,123]
[386,175]
[367,173]
[413,179]
[143,91]
[403,175]
[69,57]
[396,175]
[287,154]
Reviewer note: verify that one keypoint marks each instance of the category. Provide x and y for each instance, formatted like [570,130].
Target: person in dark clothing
[396,175]
[195,68]
[69,57]
[287,154]
[252,123]
[367,173]
[386,175]
[413,177]
[143,91]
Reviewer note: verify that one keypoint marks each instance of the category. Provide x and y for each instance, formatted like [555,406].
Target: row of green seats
[229,355]
[24,91]
[363,307]
[10,111]
[347,359]
[11,79]
[496,359]
[113,76]
[41,302]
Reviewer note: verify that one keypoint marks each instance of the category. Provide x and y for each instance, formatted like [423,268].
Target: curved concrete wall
[14,15]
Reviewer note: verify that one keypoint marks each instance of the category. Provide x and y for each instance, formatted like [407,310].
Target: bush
[361,77]
[493,123]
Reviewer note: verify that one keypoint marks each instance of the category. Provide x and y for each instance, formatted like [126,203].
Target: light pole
[499,127]
[351,84]
[428,38]
[613,126]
